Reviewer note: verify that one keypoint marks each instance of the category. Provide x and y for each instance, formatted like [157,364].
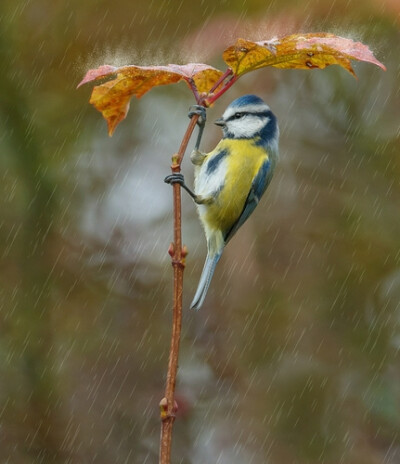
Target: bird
[230,180]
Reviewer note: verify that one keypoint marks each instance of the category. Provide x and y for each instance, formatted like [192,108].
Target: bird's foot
[201,112]
[177,178]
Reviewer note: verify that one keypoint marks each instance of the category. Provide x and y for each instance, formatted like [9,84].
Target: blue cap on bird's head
[248,117]
[247,100]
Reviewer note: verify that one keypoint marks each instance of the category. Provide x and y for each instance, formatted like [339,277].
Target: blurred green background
[294,357]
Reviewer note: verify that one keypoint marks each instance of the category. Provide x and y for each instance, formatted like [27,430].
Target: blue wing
[258,187]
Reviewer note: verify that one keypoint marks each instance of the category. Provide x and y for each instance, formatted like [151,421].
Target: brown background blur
[294,357]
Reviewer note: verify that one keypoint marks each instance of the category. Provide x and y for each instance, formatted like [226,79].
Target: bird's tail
[205,279]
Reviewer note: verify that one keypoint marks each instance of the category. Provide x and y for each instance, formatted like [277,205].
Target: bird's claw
[175,178]
[201,111]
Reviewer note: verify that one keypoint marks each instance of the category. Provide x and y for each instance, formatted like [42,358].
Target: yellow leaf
[112,98]
[300,51]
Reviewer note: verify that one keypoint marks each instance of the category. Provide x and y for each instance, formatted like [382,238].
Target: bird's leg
[177,178]
[197,157]
[200,200]
[201,122]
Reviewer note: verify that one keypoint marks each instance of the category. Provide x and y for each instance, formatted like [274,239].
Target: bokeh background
[294,357]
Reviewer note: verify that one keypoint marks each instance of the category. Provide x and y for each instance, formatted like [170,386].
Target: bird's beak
[220,122]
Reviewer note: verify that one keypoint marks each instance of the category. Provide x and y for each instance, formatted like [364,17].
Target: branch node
[175,166]
[164,409]
[165,412]
[175,408]
[171,249]
[179,262]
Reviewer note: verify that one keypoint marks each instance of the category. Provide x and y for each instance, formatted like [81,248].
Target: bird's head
[249,117]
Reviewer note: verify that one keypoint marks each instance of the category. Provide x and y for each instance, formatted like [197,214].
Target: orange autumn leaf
[300,51]
[112,98]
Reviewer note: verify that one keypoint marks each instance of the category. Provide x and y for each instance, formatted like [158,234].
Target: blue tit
[230,180]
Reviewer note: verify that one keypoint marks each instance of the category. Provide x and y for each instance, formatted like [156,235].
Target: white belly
[207,183]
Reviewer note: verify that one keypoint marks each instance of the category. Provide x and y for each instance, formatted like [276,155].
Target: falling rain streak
[294,358]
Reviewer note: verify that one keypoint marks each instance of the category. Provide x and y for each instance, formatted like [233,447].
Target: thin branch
[195,91]
[226,74]
[227,86]
[168,405]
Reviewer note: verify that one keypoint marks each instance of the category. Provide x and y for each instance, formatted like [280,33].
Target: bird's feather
[205,279]
[258,187]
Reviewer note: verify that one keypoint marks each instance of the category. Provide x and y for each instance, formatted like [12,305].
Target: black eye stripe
[237,115]
[234,116]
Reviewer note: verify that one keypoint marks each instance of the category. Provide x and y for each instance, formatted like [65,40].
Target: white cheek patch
[248,126]
[209,183]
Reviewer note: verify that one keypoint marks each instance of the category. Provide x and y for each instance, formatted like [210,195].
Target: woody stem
[167,405]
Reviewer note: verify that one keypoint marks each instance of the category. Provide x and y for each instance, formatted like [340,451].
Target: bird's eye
[238,115]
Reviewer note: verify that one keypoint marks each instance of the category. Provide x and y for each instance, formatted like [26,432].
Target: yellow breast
[244,160]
